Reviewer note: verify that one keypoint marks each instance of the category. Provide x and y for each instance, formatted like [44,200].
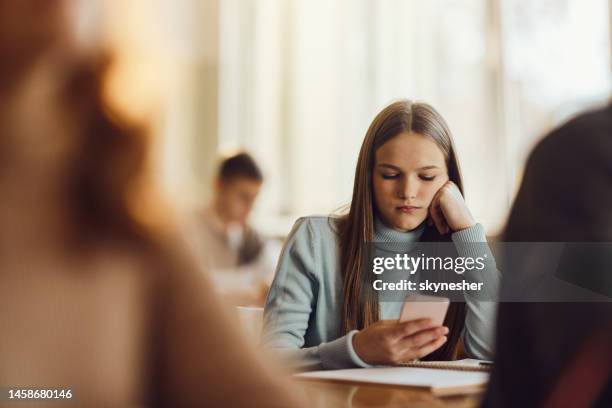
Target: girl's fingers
[436,212]
[438,219]
[426,349]
[424,337]
[431,347]
[442,217]
[405,329]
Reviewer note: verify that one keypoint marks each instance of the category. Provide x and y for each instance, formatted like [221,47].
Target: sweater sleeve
[478,332]
[292,300]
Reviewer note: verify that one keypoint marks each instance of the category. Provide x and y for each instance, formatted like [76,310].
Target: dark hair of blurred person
[91,298]
[239,165]
[552,352]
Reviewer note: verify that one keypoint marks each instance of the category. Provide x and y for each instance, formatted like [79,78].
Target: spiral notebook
[467,364]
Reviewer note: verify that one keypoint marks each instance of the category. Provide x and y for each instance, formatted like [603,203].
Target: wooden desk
[324,394]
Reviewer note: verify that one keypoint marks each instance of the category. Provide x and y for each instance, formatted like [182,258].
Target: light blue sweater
[302,316]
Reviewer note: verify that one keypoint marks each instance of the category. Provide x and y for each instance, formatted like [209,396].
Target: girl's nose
[407,190]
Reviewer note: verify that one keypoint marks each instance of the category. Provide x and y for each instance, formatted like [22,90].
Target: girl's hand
[390,342]
[448,210]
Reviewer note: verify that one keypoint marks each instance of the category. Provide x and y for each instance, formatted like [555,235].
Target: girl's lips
[408,209]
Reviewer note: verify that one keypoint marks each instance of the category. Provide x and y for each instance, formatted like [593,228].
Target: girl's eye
[390,176]
[427,178]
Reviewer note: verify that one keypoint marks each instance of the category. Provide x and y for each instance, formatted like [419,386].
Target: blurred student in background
[322,310]
[552,354]
[240,261]
[91,298]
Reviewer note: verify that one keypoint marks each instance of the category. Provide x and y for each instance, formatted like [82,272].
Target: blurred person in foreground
[91,298]
[559,354]
[240,261]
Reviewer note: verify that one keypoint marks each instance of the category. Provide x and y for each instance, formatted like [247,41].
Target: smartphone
[422,307]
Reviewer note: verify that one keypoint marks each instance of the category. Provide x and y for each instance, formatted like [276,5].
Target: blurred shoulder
[586,138]
[593,125]
[160,257]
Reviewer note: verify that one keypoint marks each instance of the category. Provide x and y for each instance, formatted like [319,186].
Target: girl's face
[408,171]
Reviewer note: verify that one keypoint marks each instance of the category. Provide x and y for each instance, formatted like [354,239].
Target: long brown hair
[107,172]
[360,306]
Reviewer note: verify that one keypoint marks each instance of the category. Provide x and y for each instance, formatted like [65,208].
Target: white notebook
[438,381]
